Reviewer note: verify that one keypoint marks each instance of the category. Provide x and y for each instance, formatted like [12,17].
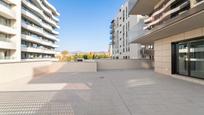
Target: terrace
[131,91]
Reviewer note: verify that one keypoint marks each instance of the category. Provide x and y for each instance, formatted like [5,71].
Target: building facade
[120,27]
[28,30]
[176,28]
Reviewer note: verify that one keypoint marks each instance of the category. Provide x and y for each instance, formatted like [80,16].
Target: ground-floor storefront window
[188,58]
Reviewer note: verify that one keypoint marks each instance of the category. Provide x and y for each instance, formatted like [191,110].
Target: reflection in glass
[197,59]
[182,58]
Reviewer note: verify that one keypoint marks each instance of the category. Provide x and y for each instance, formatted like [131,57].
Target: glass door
[182,60]
[188,58]
[197,58]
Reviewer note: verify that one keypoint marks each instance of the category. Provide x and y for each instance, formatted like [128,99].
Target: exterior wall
[163,49]
[11,43]
[35,11]
[25,71]
[135,51]
[18,29]
[74,67]
[19,71]
[123,22]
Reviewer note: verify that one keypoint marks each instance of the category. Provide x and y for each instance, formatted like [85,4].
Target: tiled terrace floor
[130,92]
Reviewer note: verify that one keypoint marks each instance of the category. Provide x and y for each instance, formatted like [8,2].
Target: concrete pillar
[17,26]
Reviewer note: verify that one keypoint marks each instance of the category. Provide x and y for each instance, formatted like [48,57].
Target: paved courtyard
[128,92]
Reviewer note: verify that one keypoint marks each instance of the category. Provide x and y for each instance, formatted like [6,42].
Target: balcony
[39,13]
[33,8]
[32,28]
[46,26]
[50,21]
[7,29]
[38,31]
[6,44]
[55,32]
[50,36]
[6,59]
[30,16]
[144,7]
[12,2]
[38,40]
[37,50]
[166,14]
[51,7]
[46,10]
[40,5]
[5,11]
[55,18]
[183,22]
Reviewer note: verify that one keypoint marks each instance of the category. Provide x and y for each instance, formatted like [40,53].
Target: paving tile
[128,92]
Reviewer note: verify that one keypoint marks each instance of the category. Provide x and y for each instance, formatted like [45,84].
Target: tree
[85,56]
[64,55]
[90,55]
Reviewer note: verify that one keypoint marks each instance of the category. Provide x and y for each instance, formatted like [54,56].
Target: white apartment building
[121,34]
[28,30]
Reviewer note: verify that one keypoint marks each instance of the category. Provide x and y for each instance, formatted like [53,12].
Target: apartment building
[28,30]
[120,27]
[176,28]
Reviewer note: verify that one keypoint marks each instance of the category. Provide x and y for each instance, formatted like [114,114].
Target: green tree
[90,56]
[85,56]
[64,55]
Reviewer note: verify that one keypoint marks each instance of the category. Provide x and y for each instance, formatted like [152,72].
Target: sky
[84,24]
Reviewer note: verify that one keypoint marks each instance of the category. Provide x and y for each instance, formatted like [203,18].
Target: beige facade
[176,29]
[163,58]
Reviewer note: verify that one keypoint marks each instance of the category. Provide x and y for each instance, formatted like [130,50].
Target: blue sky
[85,23]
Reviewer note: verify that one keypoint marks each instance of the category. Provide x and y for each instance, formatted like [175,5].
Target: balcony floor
[128,92]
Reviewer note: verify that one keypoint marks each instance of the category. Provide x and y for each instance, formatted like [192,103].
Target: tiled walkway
[133,92]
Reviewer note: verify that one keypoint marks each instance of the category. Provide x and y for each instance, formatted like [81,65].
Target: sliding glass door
[189,58]
[197,58]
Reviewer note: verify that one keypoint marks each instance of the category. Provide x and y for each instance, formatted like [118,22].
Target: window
[189,58]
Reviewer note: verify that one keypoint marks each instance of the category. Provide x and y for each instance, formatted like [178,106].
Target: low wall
[124,64]
[14,71]
[74,67]
[66,67]
[27,70]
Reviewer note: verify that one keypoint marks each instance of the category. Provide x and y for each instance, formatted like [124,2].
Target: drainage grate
[101,77]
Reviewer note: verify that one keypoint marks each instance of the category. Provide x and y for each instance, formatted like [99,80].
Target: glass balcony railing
[6,58]
[5,39]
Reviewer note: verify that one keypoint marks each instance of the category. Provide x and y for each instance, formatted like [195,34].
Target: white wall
[15,71]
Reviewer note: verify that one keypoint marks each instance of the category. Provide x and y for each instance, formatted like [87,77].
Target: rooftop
[127,92]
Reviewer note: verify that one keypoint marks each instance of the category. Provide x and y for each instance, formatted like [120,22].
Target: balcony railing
[5,4]
[5,39]
[38,40]
[6,58]
[164,15]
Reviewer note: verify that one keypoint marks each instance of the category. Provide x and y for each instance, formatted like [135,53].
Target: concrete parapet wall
[73,67]
[27,70]
[14,71]
[124,64]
